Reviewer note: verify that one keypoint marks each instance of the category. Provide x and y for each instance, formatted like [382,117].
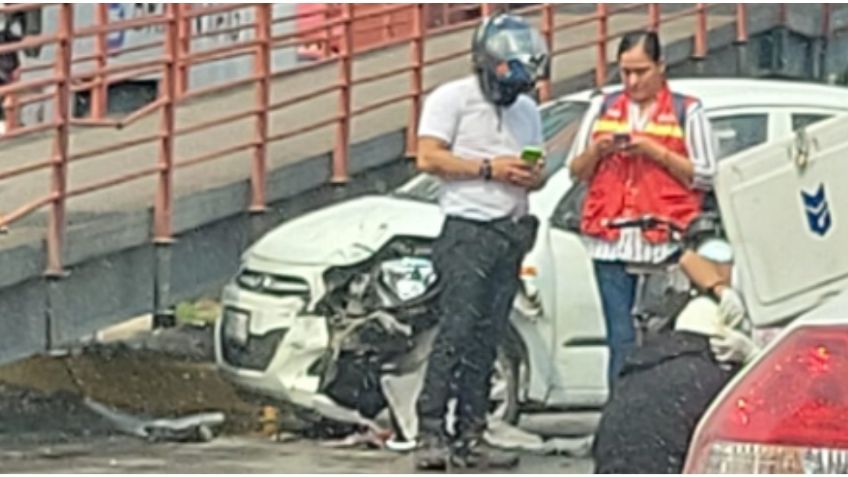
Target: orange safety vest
[628,186]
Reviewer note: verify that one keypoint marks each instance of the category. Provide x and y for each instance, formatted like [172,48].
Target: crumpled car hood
[348,232]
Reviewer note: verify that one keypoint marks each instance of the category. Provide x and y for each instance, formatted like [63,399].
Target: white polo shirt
[459,114]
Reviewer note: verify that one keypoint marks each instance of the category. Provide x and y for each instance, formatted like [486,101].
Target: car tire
[506,379]
[504,404]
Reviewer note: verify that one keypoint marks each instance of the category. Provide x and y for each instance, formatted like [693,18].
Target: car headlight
[236,327]
[285,286]
[249,279]
[408,277]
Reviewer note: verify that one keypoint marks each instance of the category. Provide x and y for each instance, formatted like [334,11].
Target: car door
[580,354]
[561,123]
[569,291]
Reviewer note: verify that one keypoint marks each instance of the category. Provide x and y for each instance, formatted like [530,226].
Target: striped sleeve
[701,146]
[582,143]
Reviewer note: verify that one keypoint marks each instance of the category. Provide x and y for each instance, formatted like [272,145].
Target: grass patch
[200,312]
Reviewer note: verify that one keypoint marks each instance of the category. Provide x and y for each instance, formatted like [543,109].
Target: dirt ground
[166,373]
[45,427]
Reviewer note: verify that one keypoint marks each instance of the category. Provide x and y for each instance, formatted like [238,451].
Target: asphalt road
[235,455]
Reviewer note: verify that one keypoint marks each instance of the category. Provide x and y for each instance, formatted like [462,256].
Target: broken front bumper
[264,345]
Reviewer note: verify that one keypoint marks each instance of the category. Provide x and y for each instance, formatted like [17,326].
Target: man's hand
[733,347]
[731,307]
[512,170]
[538,175]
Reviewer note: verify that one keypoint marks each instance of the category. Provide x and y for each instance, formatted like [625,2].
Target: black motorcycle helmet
[509,57]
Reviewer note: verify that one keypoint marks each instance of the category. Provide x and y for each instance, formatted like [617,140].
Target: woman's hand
[679,166]
[603,146]
[645,146]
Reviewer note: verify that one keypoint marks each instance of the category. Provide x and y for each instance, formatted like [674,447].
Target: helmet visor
[522,44]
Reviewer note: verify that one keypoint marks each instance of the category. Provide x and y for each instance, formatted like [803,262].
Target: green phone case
[531,154]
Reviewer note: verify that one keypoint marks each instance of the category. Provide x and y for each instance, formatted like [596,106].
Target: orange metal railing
[342,31]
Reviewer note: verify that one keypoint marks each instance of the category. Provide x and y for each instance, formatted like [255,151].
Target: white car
[785,212]
[271,337]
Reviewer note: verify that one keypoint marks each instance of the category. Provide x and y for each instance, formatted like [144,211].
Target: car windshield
[560,123]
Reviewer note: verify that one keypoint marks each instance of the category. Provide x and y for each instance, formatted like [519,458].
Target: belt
[521,231]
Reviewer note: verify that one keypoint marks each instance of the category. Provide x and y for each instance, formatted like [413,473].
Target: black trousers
[479,264]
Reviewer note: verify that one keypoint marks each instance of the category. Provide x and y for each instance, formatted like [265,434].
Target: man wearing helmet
[471,134]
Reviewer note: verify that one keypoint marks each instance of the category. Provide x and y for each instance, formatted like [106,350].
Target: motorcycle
[664,289]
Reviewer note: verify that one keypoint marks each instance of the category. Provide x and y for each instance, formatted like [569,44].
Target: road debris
[200,427]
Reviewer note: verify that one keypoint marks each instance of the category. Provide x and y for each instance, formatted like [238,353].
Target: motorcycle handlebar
[645,222]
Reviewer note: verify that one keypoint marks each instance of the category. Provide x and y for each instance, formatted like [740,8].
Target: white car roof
[718,93]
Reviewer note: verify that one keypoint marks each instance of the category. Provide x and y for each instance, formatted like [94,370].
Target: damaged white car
[335,311]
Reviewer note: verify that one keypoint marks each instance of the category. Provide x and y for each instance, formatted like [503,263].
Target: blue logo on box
[819,218]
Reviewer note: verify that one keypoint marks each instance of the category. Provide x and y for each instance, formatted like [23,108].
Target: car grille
[257,354]
[273,284]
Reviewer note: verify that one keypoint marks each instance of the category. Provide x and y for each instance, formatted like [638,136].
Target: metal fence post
[10,111]
[741,23]
[548,35]
[741,42]
[162,210]
[263,87]
[100,90]
[183,48]
[654,16]
[821,44]
[417,82]
[340,151]
[601,48]
[699,51]
[61,121]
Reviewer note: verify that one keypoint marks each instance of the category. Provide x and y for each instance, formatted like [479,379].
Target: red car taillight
[788,414]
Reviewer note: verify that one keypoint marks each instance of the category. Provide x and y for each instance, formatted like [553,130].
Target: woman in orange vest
[650,153]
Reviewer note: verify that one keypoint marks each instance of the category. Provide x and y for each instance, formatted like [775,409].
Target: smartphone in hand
[531,154]
[621,140]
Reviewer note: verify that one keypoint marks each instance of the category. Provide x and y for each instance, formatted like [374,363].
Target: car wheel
[504,404]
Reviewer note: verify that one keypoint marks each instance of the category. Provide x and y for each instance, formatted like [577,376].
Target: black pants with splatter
[478,264]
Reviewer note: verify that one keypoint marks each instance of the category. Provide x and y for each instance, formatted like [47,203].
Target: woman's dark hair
[649,40]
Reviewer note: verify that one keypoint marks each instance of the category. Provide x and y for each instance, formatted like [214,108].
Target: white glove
[733,347]
[731,308]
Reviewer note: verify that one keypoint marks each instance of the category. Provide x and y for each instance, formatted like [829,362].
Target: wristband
[486,169]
